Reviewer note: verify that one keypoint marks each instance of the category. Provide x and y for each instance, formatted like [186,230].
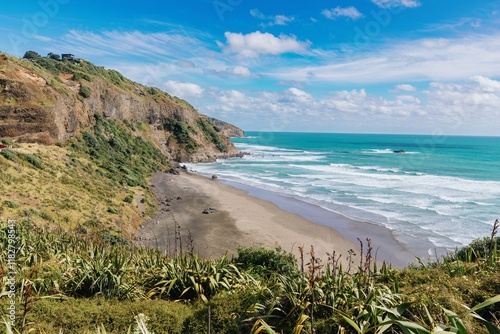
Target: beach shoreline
[251,217]
[386,246]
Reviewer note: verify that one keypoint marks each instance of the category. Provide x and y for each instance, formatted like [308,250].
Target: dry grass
[67,190]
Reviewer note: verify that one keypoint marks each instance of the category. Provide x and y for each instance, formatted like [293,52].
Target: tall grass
[322,298]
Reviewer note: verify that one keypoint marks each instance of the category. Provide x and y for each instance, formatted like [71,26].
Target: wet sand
[250,217]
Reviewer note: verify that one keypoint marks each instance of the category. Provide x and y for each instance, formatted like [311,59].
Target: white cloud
[155,74]
[175,44]
[456,26]
[350,95]
[174,55]
[294,83]
[296,95]
[229,101]
[257,43]
[293,108]
[350,12]
[258,14]
[486,84]
[475,24]
[407,99]
[435,43]
[43,38]
[467,107]
[406,88]
[479,94]
[235,71]
[412,60]
[347,101]
[185,64]
[183,90]
[282,20]
[271,20]
[397,3]
[241,71]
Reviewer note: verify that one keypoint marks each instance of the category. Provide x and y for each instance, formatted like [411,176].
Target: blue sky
[369,66]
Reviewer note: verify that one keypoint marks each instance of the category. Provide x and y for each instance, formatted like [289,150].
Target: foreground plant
[248,296]
[190,277]
[455,322]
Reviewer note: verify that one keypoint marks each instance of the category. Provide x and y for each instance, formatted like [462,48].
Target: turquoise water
[445,190]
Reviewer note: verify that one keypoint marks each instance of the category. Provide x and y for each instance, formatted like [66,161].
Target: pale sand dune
[240,220]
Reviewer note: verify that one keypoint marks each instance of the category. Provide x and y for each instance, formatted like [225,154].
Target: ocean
[443,190]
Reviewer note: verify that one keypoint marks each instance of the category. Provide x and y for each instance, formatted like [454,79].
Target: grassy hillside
[55,72]
[97,180]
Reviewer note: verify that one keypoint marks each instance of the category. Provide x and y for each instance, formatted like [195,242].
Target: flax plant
[190,277]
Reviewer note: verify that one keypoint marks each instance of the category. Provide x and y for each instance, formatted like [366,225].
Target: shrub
[128,199]
[8,142]
[9,154]
[179,129]
[151,90]
[53,56]
[264,262]
[211,134]
[11,204]
[112,210]
[81,315]
[78,76]
[46,216]
[85,91]
[477,249]
[31,55]
[112,239]
[224,311]
[34,160]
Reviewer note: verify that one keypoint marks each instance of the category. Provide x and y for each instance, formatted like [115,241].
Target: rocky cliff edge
[48,101]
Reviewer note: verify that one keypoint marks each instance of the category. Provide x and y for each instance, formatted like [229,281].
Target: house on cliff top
[67,56]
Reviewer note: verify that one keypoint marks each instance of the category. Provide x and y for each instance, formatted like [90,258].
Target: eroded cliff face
[48,107]
[227,129]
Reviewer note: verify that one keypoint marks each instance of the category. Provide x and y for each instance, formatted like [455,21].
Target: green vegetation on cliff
[181,133]
[122,157]
[80,69]
[97,180]
[212,133]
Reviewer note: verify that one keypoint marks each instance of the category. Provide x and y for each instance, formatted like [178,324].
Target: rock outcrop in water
[48,101]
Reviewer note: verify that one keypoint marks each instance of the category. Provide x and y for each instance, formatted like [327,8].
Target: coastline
[385,244]
[251,217]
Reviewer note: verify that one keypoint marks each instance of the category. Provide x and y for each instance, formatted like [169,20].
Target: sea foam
[440,193]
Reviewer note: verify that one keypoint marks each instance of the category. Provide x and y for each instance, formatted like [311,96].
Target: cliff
[227,129]
[48,101]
